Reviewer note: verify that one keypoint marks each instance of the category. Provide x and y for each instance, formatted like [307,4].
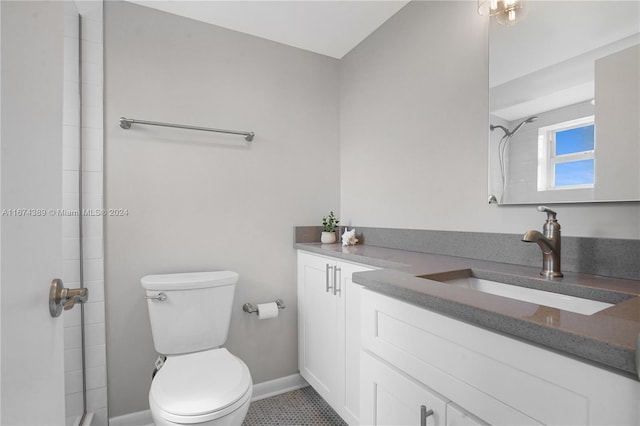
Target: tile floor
[300,407]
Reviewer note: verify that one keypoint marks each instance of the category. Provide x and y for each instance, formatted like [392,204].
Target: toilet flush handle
[160,297]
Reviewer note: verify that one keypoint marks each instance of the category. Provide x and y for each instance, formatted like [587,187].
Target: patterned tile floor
[300,407]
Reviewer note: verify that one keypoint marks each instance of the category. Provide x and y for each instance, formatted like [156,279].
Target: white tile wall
[92,182]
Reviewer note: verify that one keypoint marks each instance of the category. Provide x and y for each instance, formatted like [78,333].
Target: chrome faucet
[549,242]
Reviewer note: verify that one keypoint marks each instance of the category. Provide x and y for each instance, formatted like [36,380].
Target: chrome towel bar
[126,123]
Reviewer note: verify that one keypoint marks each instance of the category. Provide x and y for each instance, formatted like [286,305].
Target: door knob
[64,298]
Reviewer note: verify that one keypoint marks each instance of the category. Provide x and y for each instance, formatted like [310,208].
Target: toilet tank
[194,315]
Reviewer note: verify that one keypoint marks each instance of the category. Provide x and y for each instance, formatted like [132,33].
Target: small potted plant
[328,229]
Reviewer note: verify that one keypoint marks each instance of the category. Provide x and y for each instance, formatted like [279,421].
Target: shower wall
[89,131]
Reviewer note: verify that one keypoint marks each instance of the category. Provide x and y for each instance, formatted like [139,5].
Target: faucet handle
[551,215]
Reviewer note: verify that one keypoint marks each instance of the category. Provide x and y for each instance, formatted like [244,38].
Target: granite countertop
[607,338]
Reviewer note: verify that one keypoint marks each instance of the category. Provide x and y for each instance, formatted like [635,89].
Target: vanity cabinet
[413,357]
[329,330]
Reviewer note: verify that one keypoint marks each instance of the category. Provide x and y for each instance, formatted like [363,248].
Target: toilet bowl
[211,387]
[200,382]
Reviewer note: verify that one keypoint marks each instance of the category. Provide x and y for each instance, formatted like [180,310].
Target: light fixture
[507,12]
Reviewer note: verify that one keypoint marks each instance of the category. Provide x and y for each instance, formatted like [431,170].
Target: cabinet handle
[327,276]
[337,277]
[424,413]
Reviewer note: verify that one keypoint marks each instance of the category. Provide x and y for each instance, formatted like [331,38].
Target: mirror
[564,90]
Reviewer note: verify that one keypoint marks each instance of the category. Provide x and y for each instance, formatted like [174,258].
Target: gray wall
[199,201]
[413,133]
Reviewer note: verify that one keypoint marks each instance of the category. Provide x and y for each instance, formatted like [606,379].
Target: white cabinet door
[319,312]
[329,331]
[352,334]
[389,397]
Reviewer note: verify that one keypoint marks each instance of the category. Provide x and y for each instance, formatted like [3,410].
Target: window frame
[547,159]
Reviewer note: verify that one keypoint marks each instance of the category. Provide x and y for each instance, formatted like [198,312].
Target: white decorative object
[328,237]
[349,238]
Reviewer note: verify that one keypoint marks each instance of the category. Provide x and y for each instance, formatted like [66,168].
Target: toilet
[200,382]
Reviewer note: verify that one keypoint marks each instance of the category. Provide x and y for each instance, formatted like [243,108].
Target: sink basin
[474,280]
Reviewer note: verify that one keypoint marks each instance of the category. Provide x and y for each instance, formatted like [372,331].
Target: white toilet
[200,383]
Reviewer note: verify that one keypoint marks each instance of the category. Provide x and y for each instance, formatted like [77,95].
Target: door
[31,349]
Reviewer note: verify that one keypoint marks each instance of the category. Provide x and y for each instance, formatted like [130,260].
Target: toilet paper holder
[251,308]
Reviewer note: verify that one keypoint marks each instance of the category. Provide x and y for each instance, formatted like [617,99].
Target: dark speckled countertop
[607,338]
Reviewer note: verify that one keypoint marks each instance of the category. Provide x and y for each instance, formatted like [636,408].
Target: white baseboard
[278,386]
[260,391]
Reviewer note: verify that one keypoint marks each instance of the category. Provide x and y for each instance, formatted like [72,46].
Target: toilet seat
[199,387]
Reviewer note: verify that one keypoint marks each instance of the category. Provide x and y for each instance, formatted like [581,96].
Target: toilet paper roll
[267,310]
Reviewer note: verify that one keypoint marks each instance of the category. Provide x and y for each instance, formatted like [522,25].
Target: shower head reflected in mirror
[510,133]
[502,146]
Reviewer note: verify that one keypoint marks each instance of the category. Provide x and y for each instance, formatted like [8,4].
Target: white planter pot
[328,237]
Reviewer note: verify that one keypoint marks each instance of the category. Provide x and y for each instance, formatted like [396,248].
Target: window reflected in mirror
[566,155]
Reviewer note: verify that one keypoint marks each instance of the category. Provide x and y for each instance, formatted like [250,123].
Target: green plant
[329,222]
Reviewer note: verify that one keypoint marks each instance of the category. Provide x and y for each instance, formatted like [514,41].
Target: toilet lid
[200,383]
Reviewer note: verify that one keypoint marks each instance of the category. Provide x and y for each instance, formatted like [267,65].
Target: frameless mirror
[564,90]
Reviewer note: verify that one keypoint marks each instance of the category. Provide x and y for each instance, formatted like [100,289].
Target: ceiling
[330,28]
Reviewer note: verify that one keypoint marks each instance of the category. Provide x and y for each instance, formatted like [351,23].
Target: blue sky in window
[574,173]
[575,140]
